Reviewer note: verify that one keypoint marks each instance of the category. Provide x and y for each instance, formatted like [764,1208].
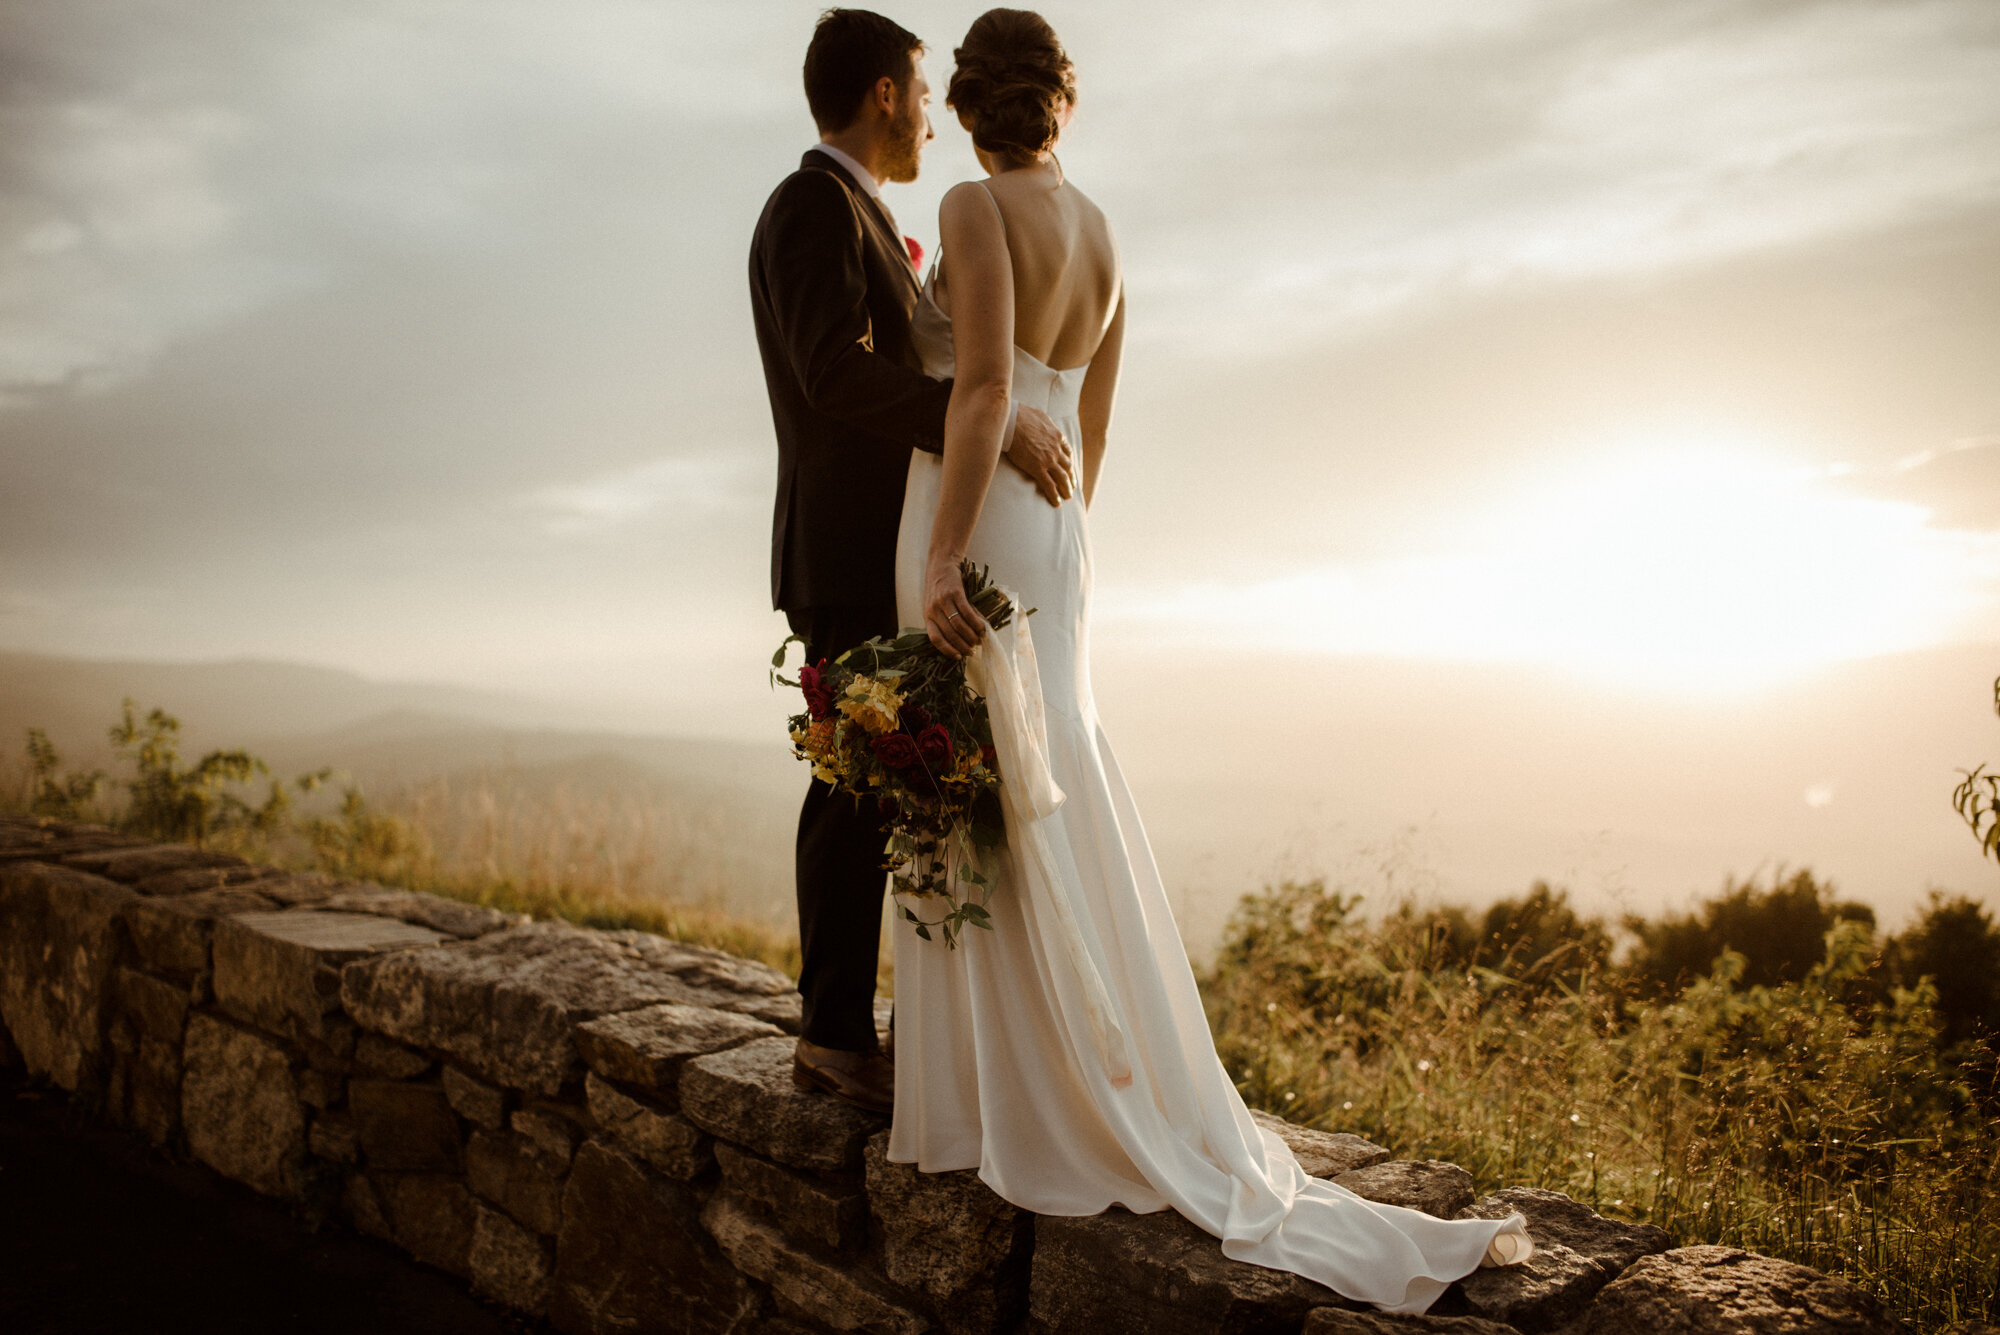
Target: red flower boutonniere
[916,253]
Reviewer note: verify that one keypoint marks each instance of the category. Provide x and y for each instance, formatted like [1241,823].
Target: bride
[1065,1054]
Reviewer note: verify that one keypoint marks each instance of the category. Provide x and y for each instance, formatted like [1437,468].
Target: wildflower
[1576,1117]
[1424,1065]
[1346,1104]
[872,704]
[1270,1005]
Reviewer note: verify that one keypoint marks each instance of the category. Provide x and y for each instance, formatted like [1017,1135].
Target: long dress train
[998,1064]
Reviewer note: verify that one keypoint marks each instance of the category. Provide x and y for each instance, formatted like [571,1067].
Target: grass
[1786,1120]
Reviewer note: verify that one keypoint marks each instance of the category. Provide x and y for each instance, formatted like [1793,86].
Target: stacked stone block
[600,1128]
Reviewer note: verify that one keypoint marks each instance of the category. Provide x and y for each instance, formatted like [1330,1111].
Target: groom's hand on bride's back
[1040,451]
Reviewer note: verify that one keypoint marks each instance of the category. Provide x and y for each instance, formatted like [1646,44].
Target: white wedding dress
[1003,1061]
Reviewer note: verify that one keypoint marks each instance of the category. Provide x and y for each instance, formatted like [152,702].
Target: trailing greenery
[1977,799]
[1825,1118]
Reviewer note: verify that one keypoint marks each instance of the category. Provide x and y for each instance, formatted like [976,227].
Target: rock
[193,880]
[240,1107]
[476,1101]
[389,1059]
[321,1089]
[807,1206]
[648,1047]
[58,946]
[671,1144]
[364,1207]
[332,1137]
[552,1133]
[1336,1321]
[505,1169]
[1435,1187]
[1554,1217]
[951,1238]
[1544,1293]
[1323,1153]
[404,1127]
[786,1011]
[300,889]
[37,839]
[836,1296]
[280,970]
[1577,1250]
[452,917]
[746,1095]
[1713,1290]
[704,966]
[1119,1273]
[633,1256]
[126,865]
[430,1216]
[509,1264]
[172,935]
[148,1018]
[507,1004]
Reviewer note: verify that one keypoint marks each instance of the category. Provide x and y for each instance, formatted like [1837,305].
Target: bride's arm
[1100,389]
[982,340]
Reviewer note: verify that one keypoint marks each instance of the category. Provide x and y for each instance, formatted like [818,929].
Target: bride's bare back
[1063,261]
[1033,265]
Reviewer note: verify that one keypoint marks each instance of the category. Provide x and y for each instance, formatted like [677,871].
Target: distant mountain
[712,820]
[1454,781]
[76,699]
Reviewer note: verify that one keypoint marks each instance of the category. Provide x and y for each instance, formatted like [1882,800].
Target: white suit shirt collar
[854,169]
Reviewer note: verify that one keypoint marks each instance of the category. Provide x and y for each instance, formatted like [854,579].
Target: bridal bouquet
[894,721]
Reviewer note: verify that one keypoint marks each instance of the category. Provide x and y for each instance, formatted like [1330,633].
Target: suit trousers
[840,874]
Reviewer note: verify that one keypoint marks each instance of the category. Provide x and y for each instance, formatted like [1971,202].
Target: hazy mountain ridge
[1461,782]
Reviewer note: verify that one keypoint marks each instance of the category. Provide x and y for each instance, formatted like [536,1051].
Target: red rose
[916,253]
[988,757]
[914,718]
[934,746]
[894,749]
[819,696]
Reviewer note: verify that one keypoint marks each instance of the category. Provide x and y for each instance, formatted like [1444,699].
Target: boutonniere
[916,253]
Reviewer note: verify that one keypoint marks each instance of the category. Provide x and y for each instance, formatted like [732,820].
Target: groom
[833,284]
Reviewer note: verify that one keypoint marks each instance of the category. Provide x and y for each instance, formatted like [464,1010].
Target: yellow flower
[872,704]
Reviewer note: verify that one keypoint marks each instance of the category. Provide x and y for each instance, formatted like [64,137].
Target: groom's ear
[885,96]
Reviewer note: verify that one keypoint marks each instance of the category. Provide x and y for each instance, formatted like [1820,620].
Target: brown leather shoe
[864,1079]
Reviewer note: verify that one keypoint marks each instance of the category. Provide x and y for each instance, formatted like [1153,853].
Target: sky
[1649,343]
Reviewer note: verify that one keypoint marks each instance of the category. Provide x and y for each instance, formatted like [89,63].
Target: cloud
[1677,566]
[1959,482]
[1350,175]
[691,484]
[164,175]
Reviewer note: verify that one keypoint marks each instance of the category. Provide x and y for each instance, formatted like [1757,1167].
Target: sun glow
[1696,567]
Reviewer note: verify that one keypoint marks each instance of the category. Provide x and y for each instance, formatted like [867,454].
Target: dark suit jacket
[831,293]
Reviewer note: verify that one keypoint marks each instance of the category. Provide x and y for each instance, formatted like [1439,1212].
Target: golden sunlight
[1684,564]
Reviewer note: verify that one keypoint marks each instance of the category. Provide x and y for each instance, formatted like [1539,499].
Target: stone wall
[600,1128]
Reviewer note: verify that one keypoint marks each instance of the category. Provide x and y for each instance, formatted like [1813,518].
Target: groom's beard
[905,149]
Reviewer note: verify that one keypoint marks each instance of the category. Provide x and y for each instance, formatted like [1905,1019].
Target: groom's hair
[850,50]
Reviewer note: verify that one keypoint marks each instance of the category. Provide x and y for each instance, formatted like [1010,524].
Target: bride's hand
[954,624]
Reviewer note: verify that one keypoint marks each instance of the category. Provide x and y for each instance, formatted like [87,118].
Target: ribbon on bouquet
[1003,670]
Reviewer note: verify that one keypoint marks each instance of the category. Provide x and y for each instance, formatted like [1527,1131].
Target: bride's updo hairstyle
[1012,83]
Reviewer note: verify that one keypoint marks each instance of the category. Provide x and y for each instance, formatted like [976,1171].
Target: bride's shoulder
[967,199]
